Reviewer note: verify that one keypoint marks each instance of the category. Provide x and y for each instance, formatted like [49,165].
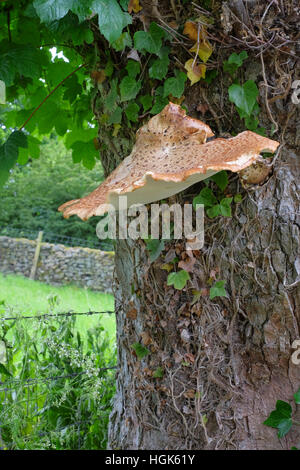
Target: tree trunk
[221,364]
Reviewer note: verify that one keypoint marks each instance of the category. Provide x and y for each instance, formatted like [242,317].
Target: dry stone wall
[58,264]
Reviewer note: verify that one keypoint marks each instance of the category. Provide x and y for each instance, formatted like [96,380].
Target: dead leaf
[187,265]
[146,339]
[167,267]
[194,72]
[205,50]
[191,30]
[189,393]
[96,143]
[98,75]
[202,108]
[134,6]
[189,357]
[131,313]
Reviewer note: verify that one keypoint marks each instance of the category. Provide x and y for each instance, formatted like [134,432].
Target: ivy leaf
[140,350]
[132,112]
[115,117]
[221,179]
[146,101]
[234,62]
[158,373]
[178,279]
[122,42]
[284,426]
[194,72]
[175,85]
[244,96]
[225,208]
[205,197]
[150,41]
[214,211]
[159,68]
[133,68]
[50,10]
[155,247]
[204,49]
[297,397]
[159,104]
[111,18]
[110,101]
[129,88]
[217,290]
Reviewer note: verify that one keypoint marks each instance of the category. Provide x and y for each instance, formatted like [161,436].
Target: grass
[25,296]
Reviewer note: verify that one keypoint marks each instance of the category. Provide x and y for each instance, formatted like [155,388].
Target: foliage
[281,418]
[38,411]
[140,350]
[215,205]
[178,279]
[35,190]
[217,290]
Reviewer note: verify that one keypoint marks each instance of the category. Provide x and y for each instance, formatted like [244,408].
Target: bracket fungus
[171,153]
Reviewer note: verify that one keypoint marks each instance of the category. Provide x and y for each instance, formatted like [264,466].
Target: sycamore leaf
[205,50]
[9,152]
[134,6]
[196,72]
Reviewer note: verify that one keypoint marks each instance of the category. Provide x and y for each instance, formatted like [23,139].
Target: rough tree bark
[225,361]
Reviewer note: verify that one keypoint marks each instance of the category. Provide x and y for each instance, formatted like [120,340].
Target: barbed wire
[31,382]
[59,314]
[52,237]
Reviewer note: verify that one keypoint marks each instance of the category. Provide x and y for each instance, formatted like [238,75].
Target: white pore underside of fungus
[170,154]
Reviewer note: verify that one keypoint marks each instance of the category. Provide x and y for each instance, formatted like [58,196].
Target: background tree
[214,378]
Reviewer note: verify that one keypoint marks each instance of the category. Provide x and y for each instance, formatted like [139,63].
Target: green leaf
[140,350]
[22,59]
[297,397]
[237,198]
[221,179]
[149,41]
[111,18]
[122,42]
[205,197]
[129,88]
[2,92]
[115,117]
[217,290]
[225,208]
[110,101]
[158,373]
[85,152]
[132,112]
[214,211]
[234,62]
[4,371]
[244,96]
[284,426]
[133,68]
[175,85]
[50,10]
[178,279]
[155,247]
[146,101]
[159,105]
[160,66]
[284,408]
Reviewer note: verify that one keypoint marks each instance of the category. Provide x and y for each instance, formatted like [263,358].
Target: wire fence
[13,394]
[56,238]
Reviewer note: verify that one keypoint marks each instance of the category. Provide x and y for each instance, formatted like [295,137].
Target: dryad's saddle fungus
[170,154]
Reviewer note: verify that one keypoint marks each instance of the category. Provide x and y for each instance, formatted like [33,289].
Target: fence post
[36,255]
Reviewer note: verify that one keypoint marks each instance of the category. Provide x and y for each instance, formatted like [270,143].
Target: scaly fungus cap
[170,154]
